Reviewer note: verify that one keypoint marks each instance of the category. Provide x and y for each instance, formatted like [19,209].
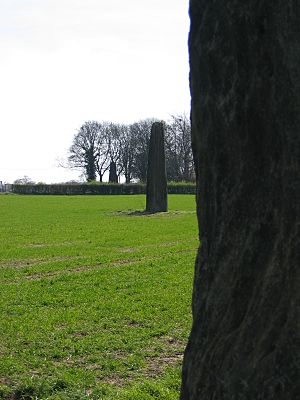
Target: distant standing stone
[157,193]
[113,177]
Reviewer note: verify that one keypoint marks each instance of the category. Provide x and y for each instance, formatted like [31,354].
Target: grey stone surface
[156,191]
[245,88]
[113,177]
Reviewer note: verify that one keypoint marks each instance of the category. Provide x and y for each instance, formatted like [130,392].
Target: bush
[99,189]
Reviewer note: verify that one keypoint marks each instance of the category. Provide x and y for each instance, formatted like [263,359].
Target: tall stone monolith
[245,88]
[156,191]
[113,177]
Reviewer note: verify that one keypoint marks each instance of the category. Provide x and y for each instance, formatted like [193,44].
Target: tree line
[100,146]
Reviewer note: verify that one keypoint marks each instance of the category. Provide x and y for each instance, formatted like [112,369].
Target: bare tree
[90,149]
[84,150]
[115,135]
[179,149]
[24,181]
[140,131]
[99,144]
[127,147]
[103,146]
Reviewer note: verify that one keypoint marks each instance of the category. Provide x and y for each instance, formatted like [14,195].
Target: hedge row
[102,189]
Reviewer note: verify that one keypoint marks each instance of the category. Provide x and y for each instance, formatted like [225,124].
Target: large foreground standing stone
[157,192]
[245,87]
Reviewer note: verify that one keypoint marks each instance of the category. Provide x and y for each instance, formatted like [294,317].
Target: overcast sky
[63,62]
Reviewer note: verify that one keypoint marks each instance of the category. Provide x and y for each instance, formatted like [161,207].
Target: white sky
[63,62]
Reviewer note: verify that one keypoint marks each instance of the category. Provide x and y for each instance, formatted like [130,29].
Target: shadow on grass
[139,213]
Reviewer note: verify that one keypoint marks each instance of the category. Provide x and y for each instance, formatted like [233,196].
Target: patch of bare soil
[115,380]
[35,245]
[171,355]
[43,245]
[157,365]
[187,251]
[128,249]
[4,381]
[149,246]
[84,268]
[36,261]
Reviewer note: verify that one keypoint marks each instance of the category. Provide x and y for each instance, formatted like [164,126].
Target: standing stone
[157,192]
[245,88]
[113,177]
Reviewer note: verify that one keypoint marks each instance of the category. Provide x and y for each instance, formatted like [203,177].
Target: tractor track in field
[20,264]
[79,269]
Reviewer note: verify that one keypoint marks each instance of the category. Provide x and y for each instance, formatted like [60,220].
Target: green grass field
[95,296]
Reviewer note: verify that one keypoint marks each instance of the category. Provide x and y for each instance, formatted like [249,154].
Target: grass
[95,296]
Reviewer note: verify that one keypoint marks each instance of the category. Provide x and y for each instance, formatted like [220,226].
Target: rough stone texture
[245,87]
[113,177]
[156,192]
